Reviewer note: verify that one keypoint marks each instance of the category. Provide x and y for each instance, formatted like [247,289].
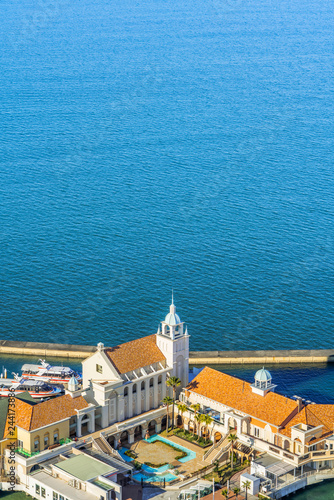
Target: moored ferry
[48,373]
[36,388]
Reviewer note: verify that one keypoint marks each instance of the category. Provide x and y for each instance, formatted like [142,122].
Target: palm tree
[196,407]
[246,485]
[198,417]
[182,408]
[173,382]
[207,421]
[167,401]
[232,438]
[225,494]
[236,491]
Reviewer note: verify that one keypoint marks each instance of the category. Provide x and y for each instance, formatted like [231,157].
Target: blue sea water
[154,145]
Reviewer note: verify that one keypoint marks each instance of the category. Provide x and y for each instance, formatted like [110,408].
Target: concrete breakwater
[261,357]
[42,349]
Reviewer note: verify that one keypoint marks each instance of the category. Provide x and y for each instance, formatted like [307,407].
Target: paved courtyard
[154,453]
[158,452]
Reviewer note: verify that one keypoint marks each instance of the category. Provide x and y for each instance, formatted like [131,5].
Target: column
[91,422]
[78,433]
[120,407]
[163,385]
[155,392]
[130,402]
[131,434]
[105,416]
[147,394]
[138,409]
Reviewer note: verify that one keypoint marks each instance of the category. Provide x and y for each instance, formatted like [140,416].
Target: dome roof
[73,384]
[172,319]
[263,375]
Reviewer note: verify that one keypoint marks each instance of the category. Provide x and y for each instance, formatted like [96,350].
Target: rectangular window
[99,368]
[256,432]
[37,489]
[43,492]
[55,496]
[61,497]
[20,443]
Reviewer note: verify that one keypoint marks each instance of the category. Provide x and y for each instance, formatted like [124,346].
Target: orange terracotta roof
[32,417]
[237,394]
[135,354]
[313,415]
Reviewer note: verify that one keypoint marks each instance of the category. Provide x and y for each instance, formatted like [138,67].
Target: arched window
[36,443]
[56,436]
[159,379]
[142,385]
[126,391]
[134,388]
[46,440]
[151,382]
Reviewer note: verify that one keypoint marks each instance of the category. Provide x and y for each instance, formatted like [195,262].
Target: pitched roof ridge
[316,416]
[130,341]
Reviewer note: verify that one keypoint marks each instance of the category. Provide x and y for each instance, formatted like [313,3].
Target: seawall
[45,349]
[261,357]
[41,349]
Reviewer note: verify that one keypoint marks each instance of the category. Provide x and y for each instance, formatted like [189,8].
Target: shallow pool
[155,478]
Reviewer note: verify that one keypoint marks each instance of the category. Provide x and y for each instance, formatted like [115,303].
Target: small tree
[225,494]
[198,418]
[232,438]
[167,401]
[196,407]
[182,408]
[246,485]
[236,491]
[173,382]
[207,420]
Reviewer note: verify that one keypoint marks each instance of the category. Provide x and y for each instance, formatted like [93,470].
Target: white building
[130,379]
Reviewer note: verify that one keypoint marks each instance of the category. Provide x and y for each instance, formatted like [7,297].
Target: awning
[280,468]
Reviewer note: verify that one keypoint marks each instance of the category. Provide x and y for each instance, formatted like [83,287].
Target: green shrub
[150,464]
[137,465]
[130,454]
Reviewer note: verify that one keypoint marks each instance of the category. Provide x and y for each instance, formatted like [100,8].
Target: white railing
[109,447]
[221,452]
[214,446]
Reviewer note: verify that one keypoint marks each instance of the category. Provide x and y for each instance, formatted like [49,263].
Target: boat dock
[42,349]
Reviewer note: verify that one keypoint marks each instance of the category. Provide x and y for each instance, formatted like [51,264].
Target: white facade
[173,341]
[120,396]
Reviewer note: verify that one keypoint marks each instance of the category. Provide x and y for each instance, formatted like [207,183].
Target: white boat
[48,373]
[36,388]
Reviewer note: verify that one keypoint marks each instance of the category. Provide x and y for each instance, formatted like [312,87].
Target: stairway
[102,445]
[217,450]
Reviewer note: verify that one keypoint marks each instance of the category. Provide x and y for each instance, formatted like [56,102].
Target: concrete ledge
[195,357]
[44,349]
[261,357]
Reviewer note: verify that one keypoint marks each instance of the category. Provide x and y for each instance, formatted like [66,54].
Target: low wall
[261,357]
[42,349]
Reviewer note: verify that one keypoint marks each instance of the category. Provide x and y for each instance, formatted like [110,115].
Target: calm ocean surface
[154,145]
